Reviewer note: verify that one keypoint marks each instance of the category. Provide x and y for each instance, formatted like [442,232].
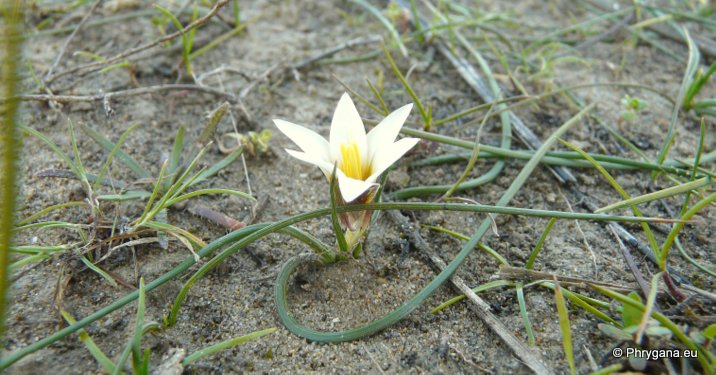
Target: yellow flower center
[351,164]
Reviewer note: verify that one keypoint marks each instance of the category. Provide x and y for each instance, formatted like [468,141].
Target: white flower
[360,158]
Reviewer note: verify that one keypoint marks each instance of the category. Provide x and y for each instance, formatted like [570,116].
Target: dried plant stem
[121,94]
[98,65]
[531,358]
[48,75]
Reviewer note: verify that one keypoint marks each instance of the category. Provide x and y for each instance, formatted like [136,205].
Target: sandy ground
[238,297]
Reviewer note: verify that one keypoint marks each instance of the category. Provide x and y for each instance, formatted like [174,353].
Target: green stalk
[13,18]
[399,313]
[246,235]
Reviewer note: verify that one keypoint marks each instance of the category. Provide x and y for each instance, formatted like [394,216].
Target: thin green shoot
[693,261]
[186,50]
[523,313]
[564,326]
[359,97]
[135,340]
[473,158]
[196,193]
[109,68]
[647,230]
[425,114]
[225,345]
[385,22]
[479,289]
[111,155]
[98,271]
[540,243]
[418,24]
[128,161]
[222,38]
[49,209]
[500,259]
[145,214]
[379,97]
[96,352]
[697,161]
[340,237]
[691,66]
[666,247]
[660,194]
[237,13]
[27,260]
[584,302]
[73,166]
[649,307]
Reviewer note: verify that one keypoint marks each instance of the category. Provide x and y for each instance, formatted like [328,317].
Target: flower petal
[326,167]
[308,140]
[385,157]
[347,127]
[351,188]
[384,134]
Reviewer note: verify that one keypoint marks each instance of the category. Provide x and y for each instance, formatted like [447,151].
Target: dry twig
[98,65]
[531,359]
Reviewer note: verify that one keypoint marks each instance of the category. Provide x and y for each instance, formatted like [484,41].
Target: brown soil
[238,298]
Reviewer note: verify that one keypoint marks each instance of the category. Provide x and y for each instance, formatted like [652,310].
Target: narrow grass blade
[73,166]
[340,237]
[691,67]
[116,148]
[96,352]
[463,237]
[78,160]
[222,38]
[523,313]
[540,243]
[666,247]
[39,249]
[388,25]
[98,270]
[214,169]
[649,307]
[27,260]
[423,113]
[186,50]
[48,225]
[225,345]
[136,338]
[378,97]
[473,157]
[126,196]
[175,157]
[661,194]
[197,242]
[132,164]
[647,230]
[479,289]
[49,209]
[197,193]
[586,303]
[147,210]
[564,326]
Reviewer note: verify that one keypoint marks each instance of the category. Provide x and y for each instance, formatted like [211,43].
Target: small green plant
[632,106]
[106,198]
[655,336]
